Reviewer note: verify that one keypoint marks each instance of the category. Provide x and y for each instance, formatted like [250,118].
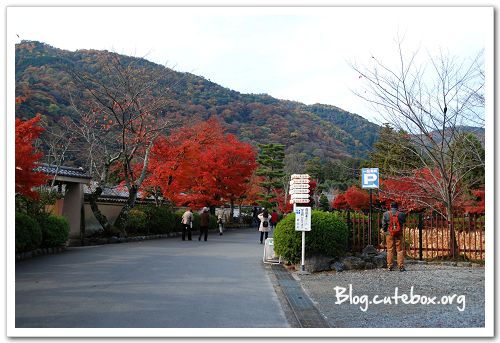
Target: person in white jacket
[220,223]
[187,219]
[264,226]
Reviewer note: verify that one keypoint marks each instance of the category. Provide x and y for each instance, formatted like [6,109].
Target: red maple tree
[201,165]
[477,205]
[416,193]
[27,156]
[340,203]
[357,199]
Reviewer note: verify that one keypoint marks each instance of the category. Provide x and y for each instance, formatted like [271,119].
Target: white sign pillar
[370,180]
[299,194]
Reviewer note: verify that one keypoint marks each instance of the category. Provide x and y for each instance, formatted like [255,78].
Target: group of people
[266,221]
[187,224]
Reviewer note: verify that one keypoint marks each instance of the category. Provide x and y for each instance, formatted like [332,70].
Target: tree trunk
[122,219]
[231,211]
[101,218]
[451,229]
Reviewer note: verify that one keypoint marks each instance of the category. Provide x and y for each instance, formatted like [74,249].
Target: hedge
[55,231]
[28,233]
[328,237]
[137,221]
[160,220]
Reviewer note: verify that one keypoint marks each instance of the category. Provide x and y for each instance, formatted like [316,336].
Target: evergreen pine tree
[394,153]
[271,165]
[324,204]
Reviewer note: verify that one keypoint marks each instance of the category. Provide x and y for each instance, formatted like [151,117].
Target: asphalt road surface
[164,283]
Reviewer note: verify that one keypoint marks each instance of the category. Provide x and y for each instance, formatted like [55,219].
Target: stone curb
[114,239]
[39,252]
[368,259]
[101,241]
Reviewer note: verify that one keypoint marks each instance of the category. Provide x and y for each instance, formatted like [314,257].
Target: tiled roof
[63,171]
[115,194]
[120,192]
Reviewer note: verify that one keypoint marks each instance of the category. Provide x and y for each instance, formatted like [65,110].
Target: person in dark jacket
[204,222]
[274,219]
[255,213]
[394,242]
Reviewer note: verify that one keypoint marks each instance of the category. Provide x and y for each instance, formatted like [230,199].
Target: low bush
[137,221]
[28,233]
[159,220]
[328,237]
[55,231]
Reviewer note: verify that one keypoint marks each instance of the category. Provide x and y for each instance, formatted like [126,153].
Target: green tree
[315,169]
[470,151]
[271,164]
[393,152]
[324,204]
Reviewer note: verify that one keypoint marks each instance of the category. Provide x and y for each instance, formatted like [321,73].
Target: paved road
[165,283]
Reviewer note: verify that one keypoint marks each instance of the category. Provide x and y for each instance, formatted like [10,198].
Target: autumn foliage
[476,205]
[357,199]
[201,165]
[404,192]
[340,203]
[26,157]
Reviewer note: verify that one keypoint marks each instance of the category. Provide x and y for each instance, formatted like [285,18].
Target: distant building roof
[64,173]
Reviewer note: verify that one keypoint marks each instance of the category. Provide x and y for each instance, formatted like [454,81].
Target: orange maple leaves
[26,157]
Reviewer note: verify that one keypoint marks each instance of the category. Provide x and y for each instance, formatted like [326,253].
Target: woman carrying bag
[264,226]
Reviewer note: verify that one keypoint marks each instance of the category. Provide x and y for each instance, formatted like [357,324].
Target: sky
[293,53]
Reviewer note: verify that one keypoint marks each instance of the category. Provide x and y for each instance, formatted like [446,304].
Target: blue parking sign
[369,178]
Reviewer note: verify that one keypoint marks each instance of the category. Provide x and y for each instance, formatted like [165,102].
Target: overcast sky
[289,53]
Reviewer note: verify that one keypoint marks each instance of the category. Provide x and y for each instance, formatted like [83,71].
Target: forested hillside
[45,85]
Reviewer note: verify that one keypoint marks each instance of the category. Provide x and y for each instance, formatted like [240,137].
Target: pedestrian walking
[264,218]
[255,213]
[393,224]
[204,222]
[274,219]
[220,223]
[187,224]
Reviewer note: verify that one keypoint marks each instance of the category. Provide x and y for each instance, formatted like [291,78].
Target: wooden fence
[425,236]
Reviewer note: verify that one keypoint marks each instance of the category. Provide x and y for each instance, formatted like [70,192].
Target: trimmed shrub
[160,220]
[28,233]
[55,231]
[328,237]
[137,221]
[213,222]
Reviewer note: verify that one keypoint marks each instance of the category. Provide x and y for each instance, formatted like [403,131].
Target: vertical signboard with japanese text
[302,218]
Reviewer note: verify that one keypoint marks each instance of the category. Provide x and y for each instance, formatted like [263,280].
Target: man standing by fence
[393,225]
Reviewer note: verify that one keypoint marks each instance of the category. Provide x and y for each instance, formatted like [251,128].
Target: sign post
[299,194]
[369,180]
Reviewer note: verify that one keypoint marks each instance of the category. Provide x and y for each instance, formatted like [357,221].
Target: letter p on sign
[369,178]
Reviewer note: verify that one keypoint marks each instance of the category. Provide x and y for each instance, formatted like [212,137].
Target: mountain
[328,132]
